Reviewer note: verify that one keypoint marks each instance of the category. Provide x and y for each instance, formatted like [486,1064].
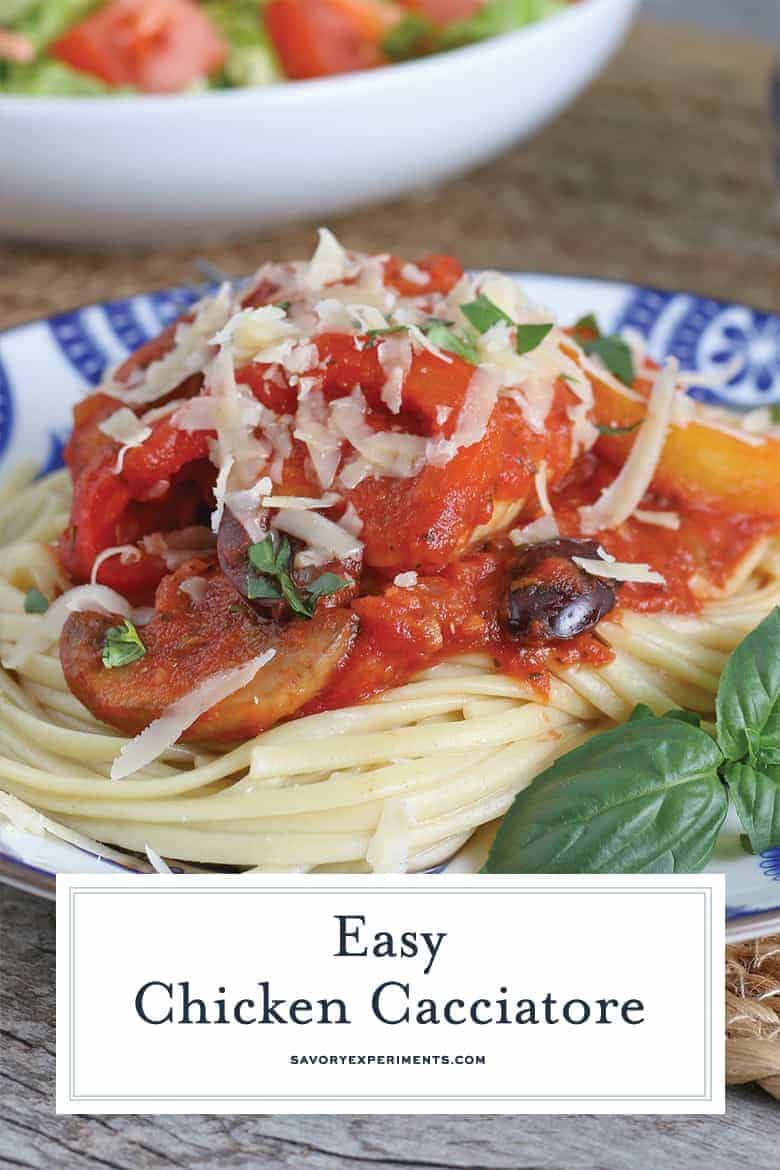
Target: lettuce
[251,60]
[46,78]
[44,21]
[497,17]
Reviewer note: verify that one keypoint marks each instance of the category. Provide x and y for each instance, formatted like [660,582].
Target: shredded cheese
[537,532]
[618,501]
[165,731]
[670,520]
[405,580]
[128,554]
[620,571]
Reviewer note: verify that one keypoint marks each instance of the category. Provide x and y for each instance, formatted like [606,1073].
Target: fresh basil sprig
[748,722]
[651,796]
[273,580]
[643,798]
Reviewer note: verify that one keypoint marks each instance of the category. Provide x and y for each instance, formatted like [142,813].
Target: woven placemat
[753,1014]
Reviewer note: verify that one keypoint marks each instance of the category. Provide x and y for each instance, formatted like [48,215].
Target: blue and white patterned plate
[46,366]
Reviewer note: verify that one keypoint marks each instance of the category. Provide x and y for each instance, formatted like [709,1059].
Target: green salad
[82,48]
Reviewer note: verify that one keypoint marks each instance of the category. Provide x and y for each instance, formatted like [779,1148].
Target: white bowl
[225,163]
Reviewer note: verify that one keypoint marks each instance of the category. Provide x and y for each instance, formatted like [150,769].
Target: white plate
[46,366]
[146,169]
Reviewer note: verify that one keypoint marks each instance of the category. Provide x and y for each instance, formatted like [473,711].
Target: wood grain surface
[661,174]
[32,1136]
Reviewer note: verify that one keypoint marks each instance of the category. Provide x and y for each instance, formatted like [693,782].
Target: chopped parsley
[122,646]
[35,602]
[272,579]
[531,336]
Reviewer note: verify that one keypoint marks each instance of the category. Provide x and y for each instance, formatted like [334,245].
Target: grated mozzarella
[405,580]
[165,731]
[618,501]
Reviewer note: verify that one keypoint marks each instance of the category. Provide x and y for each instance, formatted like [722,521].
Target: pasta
[400,783]
[284,538]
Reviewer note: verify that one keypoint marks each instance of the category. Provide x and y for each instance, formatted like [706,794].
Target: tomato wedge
[316,38]
[159,46]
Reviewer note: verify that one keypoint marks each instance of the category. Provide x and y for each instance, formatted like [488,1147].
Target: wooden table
[32,1136]
[661,174]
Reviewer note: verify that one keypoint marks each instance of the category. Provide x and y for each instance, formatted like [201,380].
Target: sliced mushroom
[188,641]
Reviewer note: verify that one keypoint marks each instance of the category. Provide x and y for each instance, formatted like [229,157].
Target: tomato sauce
[436,525]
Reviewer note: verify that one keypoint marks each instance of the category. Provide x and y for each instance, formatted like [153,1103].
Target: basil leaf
[616,356]
[35,602]
[326,585]
[643,798]
[748,702]
[685,717]
[262,589]
[122,646]
[529,337]
[484,314]
[756,796]
[641,711]
[774,412]
[441,335]
[263,555]
[297,602]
